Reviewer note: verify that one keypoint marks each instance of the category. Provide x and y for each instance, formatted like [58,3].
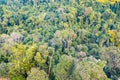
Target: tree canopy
[60,39]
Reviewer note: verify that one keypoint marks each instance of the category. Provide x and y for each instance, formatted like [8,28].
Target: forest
[60,39]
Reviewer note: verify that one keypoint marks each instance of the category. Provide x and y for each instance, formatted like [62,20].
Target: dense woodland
[60,39]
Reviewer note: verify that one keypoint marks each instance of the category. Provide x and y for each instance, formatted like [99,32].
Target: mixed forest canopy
[60,39]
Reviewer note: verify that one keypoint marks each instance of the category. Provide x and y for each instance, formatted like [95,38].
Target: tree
[63,69]
[4,70]
[89,70]
[22,60]
[1,12]
[37,74]
[111,55]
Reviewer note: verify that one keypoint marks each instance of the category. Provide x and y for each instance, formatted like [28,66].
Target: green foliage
[1,12]
[4,70]
[27,40]
[59,37]
[17,77]
[36,74]
[111,55]
[22,60]
[64,68]
[89,70]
